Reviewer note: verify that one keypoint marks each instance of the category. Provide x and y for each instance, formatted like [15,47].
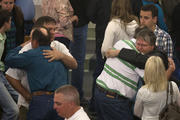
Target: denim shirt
[42,75]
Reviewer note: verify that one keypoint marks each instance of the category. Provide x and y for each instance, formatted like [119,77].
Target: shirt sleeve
[138,107]
[15,73]
[178,99]
[176,93]
[108,38]
[18,73]
[1,48]
[133,57]
[168,45]
[140,72]
[61,47]
[16,60]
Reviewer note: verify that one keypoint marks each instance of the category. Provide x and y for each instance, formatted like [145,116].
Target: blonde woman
[122,25]
[151,98]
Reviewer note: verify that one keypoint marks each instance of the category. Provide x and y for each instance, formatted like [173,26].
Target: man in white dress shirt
[67,103]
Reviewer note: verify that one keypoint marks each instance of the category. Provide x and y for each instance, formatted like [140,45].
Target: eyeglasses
[51,29]
[142,45]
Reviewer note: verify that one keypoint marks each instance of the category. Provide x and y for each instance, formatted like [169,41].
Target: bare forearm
[171,68]
[169,72]
[16,84]
[54,54]
[69,62]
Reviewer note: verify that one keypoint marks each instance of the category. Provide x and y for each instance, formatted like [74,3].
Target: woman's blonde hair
[155,74]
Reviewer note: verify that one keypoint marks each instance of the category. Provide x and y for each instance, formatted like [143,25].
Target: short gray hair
[70,93]
[147,35]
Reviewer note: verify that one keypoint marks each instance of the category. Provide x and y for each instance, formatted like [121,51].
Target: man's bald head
[41,35]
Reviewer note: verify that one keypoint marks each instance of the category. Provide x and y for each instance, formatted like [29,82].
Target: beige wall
[38,11]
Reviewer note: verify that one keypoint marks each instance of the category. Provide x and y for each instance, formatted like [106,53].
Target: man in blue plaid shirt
[148,17]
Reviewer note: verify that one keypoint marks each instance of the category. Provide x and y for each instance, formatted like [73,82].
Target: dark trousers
[99,67]
[112,108]
[78,51]
[41,108]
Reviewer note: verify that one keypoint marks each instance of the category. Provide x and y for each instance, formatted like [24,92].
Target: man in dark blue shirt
[43,76]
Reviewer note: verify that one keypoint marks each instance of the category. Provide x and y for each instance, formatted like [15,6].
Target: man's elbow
[71,64]
[74,64]
[8,61]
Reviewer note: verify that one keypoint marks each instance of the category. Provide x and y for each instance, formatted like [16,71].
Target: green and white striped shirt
[118,75]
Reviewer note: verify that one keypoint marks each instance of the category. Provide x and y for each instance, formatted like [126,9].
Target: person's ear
[71,103]
[34,43]
[152,47]
[155,20]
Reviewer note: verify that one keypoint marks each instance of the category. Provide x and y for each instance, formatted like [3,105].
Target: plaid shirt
[11,38]
[164,41]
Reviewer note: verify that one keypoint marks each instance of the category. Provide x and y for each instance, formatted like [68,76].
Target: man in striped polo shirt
[117,84]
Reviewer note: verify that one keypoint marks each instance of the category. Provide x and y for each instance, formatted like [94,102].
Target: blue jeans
[41,108]
[112,108]
[78,50]
[8,105]
[10,89]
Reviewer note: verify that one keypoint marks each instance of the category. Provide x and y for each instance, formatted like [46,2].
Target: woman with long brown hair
[121,26]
